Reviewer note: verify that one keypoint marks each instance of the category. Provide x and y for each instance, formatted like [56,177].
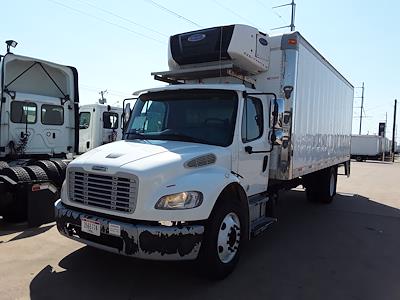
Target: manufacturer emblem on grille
[99,168]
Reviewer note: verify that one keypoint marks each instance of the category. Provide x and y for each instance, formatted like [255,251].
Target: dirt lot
[346,250]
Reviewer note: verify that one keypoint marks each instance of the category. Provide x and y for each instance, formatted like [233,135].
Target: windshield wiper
[136,135]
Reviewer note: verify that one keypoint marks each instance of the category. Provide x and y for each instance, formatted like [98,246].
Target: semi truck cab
[98,124]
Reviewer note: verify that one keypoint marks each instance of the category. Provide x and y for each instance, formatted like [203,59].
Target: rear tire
[36,173]
[18,174]
[329,183]
[50,169]
[223,240]
[61,167]
[321,186]
[3,165]
[17,209]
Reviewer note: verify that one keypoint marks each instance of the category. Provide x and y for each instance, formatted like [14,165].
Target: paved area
[346,250]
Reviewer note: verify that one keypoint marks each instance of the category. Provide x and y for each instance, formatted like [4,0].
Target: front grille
[117,193]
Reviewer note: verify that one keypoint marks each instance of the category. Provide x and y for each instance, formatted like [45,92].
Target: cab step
[261,224]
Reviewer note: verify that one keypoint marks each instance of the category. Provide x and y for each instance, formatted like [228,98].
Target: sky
[115,45]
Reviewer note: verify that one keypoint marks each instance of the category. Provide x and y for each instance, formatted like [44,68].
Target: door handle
[265,163]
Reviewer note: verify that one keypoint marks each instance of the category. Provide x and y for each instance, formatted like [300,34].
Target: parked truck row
[371,147]
[202,160]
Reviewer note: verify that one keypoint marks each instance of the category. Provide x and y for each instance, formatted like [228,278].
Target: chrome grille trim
[117,192]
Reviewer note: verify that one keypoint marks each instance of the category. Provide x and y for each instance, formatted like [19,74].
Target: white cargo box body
[321,108]
[368,145]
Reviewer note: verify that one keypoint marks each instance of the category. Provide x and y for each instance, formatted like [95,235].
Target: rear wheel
[16,211]
[36,173]
[223,239]
[61,167]
[3,165]
[18,174]
[328,187]
[321,186]
[50,169]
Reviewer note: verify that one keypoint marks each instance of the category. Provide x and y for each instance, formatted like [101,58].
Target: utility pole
[102,100]
[394,129]
[362,107]
[292,27]
[292,18]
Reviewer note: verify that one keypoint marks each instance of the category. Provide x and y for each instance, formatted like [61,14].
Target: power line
[235,13]
[173,13]
[106,21]
[121,17]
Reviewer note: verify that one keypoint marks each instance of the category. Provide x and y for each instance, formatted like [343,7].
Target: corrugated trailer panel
[322,114]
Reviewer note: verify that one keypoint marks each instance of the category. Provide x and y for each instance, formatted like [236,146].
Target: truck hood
[142,153]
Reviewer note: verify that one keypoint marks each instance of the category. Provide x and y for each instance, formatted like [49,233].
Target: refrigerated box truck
[202,160]
[371,147]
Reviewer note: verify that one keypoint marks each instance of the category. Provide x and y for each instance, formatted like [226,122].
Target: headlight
[182,200]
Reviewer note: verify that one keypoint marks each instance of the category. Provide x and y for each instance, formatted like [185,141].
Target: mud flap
[41,198]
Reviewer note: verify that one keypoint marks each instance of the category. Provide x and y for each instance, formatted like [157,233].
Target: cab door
[253,165]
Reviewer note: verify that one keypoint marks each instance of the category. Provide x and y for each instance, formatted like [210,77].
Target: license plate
[90,226]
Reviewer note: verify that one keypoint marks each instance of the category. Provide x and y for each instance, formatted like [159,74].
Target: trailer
[203,159]
[369,147]
[99,124]
[39,132]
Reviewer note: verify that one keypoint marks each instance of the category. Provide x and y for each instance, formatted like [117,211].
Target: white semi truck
[369,147]
[99,124]
[39,128]
[202,159]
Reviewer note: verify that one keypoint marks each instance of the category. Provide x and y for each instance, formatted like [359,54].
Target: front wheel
[222,240]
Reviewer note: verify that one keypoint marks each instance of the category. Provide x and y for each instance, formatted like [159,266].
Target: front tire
[223,240]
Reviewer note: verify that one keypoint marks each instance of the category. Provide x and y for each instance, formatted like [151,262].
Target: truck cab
[99,124]
[38,111]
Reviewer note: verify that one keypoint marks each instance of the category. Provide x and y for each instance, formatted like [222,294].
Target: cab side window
[84,120]
[110,120]
[252,121]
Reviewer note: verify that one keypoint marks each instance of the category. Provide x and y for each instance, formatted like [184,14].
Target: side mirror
[277,112]
[125,116]
[277,137]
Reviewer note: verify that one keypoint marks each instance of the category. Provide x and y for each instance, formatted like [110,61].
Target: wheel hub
[228,237]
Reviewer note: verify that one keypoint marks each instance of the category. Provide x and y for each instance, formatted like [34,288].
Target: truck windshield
[199,116]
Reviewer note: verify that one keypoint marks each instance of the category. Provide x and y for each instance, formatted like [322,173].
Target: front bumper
[136,240]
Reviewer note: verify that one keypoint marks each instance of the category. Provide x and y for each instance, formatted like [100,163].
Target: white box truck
[202,159]
[371,147]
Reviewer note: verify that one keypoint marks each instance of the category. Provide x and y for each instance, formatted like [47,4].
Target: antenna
[291,26]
